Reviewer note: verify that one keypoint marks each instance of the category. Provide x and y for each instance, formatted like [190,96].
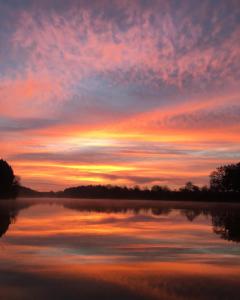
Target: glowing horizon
[119,92]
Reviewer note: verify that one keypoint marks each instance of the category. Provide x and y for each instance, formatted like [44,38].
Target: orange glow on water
[75,242]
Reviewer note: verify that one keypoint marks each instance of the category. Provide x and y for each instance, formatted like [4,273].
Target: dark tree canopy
[8,181]
[226,178]
[189,187]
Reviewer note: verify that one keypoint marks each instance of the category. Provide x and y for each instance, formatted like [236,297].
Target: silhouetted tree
[204,189]
[156,189]
[189,187]
[8,181]
[226,178]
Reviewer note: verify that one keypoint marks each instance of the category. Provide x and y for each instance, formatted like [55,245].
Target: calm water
[102,249]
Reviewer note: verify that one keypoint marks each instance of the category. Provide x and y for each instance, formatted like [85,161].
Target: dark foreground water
[102,249]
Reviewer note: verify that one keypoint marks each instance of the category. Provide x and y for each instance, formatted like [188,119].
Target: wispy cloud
[94,75]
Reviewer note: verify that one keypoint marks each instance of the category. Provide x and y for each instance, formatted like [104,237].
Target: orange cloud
[101,97]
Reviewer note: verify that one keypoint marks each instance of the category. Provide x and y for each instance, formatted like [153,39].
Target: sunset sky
[119,92]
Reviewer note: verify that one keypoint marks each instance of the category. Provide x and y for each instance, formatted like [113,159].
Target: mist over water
[112,249]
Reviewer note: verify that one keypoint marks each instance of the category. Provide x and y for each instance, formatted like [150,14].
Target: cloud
[218,118]
[150,85]
[28,95]
[152,48]
[23,124]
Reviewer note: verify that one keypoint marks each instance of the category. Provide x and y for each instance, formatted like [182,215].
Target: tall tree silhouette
[8,181]
[226,178]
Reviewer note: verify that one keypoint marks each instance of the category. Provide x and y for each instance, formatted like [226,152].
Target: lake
[118,249]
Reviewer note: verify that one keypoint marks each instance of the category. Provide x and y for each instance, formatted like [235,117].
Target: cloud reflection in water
[119,249]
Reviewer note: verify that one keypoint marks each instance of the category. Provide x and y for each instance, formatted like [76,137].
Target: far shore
[123,193]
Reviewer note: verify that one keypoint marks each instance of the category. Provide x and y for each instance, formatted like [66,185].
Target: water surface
[118,249]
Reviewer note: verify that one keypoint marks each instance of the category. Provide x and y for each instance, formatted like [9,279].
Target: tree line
[224,183]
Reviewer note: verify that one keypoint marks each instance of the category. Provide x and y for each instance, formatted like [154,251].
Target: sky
[119,92]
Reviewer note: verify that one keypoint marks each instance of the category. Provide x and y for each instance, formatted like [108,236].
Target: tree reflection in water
[227,224]
[7,216]
[225,221]
[9,210]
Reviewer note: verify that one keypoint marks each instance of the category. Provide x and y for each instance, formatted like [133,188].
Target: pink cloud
[74,46]
[61,54]
[27,95]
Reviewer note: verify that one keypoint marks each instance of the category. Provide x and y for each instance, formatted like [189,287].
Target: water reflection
[9,210]
[227,224]
[91,249]
[5,220]
[225,219]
